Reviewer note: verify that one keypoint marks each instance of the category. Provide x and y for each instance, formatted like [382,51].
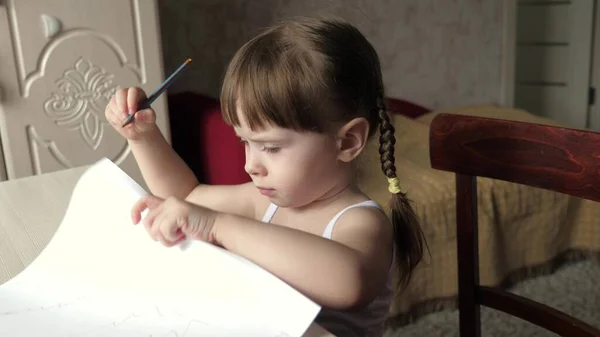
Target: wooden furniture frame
[549,157]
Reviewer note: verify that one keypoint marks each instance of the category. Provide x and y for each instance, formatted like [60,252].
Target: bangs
[271,81]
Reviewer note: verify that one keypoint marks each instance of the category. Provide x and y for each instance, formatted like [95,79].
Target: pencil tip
[128,120]
[188,60]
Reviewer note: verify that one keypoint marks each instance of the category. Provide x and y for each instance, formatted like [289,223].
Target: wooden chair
[554,158]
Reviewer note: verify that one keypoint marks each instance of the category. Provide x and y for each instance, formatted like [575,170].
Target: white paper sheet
[100,275]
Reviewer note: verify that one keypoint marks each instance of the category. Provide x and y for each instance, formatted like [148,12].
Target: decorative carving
[85,90]
[36,141]
[63,36]
[51,24]
[26,78]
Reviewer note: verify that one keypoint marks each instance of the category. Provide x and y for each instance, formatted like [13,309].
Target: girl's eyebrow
[262,139]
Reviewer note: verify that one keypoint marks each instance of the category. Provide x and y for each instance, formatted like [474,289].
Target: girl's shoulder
[360,216]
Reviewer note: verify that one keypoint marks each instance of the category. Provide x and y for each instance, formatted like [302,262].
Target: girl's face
[292,168]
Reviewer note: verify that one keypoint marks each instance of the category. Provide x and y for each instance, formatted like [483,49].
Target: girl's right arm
[165,173]
[168,175]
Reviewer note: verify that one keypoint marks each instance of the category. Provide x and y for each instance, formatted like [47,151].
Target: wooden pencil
[145,104]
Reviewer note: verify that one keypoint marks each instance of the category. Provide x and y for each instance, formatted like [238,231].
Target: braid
[387,140]
[408,236]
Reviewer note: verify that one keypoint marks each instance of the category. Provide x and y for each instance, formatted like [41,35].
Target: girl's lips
[266,191]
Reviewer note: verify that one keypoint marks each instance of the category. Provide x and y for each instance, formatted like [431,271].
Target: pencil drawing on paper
[149,319]
[42,308]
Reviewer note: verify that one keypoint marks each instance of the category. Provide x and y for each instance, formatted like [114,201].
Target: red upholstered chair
[203,140]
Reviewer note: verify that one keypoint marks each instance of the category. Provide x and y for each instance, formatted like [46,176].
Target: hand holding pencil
[126,102]
[130,112]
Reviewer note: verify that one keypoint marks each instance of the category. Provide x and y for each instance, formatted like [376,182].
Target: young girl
[304,97]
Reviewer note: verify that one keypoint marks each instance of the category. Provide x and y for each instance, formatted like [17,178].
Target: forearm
[326,271]
[165,173]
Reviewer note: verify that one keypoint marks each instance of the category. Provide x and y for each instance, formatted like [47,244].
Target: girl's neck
[335,194]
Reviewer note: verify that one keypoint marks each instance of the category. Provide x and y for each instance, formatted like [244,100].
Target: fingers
[167,227]
[125,102]
[134,96]
[155,229]
[172,233]
[146,116]
[121,102]
[180,240]
[165,230]
[146,202]
[149,220]
[112,113]
[164,220]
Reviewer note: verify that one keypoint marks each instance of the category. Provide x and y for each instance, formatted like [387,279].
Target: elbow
[355,291]
[358,298]
[352,301]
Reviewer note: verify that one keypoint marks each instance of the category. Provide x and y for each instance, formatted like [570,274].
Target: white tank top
[370,320]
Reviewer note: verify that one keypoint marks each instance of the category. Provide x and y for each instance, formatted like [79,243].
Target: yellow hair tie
[394,186]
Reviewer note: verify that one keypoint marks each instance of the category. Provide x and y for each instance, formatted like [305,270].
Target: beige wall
[439,53]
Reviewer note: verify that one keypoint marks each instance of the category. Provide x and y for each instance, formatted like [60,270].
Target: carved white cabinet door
[60,63]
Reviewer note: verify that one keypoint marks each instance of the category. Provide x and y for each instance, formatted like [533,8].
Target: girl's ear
[352,138]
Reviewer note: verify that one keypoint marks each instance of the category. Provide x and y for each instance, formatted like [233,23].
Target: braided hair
[408,236]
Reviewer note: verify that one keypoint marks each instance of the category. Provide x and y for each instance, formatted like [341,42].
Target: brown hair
[314,74]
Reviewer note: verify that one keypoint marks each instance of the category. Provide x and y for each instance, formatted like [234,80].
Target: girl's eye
[271,149]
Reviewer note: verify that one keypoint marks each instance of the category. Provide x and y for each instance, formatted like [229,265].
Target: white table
[30,211]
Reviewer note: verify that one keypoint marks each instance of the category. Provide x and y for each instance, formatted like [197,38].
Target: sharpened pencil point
[128,121]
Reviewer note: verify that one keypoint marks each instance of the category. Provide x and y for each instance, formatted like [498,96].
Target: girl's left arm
[343,273]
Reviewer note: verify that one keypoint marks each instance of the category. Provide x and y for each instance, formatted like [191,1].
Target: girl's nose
[253,165]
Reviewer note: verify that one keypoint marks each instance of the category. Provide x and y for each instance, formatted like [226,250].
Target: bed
[524,231]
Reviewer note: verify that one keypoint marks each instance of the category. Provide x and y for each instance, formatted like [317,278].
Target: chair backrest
[549,157]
